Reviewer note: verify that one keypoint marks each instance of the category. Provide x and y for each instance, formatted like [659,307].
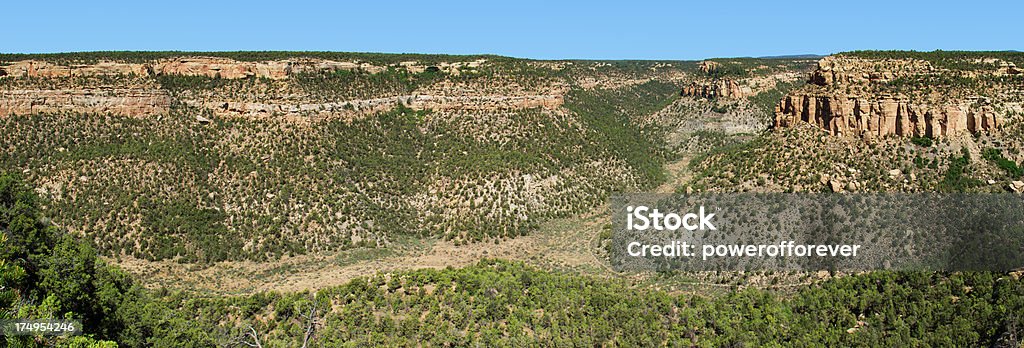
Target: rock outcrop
[142,96]
[225,68]
[188,66]
[1008,68]
[122,102]
[854,96]
[35,68]
[718,88]
[839,70]
[709,66]
[216,67]
[883,115]
[367,106]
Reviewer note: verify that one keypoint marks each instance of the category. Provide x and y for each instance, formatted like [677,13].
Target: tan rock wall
[213,67]
[881,116]
[189,66]
[846,96]
[123,102]
[719,88]
[352,108]
[838,70]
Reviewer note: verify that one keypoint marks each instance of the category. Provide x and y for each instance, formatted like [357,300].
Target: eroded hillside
[209,158]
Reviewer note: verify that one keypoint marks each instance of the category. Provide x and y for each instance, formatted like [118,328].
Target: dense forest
[48,273]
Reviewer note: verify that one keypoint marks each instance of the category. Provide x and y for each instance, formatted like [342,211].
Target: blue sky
[531,29]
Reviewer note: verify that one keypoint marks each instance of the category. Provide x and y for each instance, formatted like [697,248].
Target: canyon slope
[258,156]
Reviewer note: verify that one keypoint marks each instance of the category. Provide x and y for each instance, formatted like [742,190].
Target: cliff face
[354,108]
[211,67]
[121,102]
[856,96]
[737,79]
[47,87]
[726,88]
[847,71]
[215,67]
[883,115]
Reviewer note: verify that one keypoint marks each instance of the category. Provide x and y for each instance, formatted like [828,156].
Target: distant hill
[795,56]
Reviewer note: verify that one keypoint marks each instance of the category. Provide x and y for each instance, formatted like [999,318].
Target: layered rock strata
[116,101]
[718,88]
[367,106]
[147,99]
[883,115]
[215,67]
[850,96]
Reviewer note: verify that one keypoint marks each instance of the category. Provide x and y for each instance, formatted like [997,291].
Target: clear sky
[531,29]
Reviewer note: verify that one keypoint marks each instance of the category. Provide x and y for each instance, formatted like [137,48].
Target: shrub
[921,141]
[996,156]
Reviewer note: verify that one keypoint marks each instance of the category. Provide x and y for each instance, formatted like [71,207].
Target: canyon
[844,95]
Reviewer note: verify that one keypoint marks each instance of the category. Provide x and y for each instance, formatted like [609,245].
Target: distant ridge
[796,56]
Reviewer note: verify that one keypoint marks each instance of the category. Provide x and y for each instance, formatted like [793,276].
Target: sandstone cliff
[742,78]
[848,71]
[354,108]
[709,66]
[130,89]
[116,101]
[863,97]
[216,67]
[883,115]
[718,88]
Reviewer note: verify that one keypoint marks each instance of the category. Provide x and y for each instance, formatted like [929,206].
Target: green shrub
[996,156]
[956,178]
[921,141]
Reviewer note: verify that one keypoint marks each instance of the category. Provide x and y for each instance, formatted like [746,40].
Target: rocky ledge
[115,101]
[217,67]
[718,88]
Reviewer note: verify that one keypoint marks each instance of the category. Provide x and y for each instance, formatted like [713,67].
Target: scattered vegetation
[262,188]
[147,56]
[346,85]
[748,67]
[610,113]
[170,187]
[807,159]
[956,179]
[953,60]
[767,100]
[996,156]
[47,273]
